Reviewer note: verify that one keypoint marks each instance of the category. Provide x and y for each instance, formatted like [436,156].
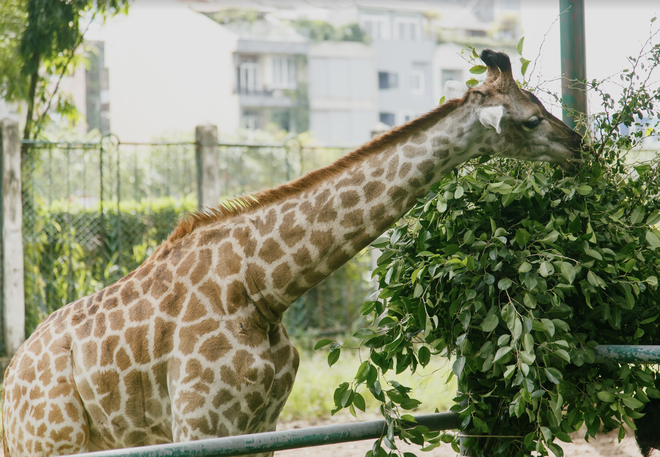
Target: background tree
[40,44]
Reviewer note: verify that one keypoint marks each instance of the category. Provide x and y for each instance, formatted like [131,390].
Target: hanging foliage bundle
[516,272]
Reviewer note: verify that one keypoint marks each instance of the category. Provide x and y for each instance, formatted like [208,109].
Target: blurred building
[166,67]
[343,95]
[160,69]
[270,60]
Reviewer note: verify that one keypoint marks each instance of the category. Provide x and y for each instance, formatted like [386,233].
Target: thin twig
[81,38]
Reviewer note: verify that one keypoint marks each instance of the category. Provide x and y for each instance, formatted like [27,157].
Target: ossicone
[498,60]
[499,68]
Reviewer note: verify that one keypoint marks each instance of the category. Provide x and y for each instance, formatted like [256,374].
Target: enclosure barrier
[341,433]
[279,441]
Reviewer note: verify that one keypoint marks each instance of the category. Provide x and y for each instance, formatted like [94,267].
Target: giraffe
[190,345]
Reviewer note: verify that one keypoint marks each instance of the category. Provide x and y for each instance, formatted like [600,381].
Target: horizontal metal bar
[621,353]
[278,441]
[60,144]
[80,145]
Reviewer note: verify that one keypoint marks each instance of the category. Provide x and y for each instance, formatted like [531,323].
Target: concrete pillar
[13,294]
[208,171]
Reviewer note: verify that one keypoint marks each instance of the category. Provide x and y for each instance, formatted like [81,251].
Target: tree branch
[39,121]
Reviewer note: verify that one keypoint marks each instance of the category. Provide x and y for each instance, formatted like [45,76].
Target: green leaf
[637,215]
[653,218]
[553,375]
[424,355]
[472,82]
[524,267]
[333,356]
[504,283]
[606,396]
[478,69]
[524,63]
[322,343]
[529,300]
[363,371]
[549,326]
[632,403]
[595,280]
[519,46]
[551,237]
[584,189]
[364,333]
[522,237]
[367,307]
[563,354]
[568,272]
[592,253]
[359,402]
[546,269]
[652,239]
[652,280]
[501,353]
[490,323]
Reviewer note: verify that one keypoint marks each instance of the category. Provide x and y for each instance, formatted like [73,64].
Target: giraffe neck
[291,244]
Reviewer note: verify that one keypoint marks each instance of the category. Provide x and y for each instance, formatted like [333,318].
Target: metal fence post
[13,294]
[573,60]
[208,171]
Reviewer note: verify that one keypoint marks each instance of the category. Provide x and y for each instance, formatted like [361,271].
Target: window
[387,80]
[250,120]
[284,72]
[248,75]
[387,118]
[417,82]
[376,27]
[408,29]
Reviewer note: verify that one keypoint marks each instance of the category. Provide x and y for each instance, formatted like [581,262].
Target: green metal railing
[279,441]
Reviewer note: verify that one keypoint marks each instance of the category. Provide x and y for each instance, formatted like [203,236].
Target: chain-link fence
[93,212]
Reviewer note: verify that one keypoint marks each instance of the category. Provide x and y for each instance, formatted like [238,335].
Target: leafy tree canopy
[515,272]
[318,30]
[38,47]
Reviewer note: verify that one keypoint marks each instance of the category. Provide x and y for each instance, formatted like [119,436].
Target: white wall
[343,94]
[170,69]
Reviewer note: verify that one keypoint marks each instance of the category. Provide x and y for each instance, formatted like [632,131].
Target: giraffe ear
[455,89]
[491,116]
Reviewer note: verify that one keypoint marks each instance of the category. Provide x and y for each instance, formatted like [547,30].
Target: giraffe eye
[532,123]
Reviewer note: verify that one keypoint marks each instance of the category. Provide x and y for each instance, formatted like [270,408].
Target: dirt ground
[603,446]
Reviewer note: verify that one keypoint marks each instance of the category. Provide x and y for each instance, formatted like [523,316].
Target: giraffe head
[514,122]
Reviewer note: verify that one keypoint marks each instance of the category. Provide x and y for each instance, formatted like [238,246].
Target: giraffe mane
[247,203]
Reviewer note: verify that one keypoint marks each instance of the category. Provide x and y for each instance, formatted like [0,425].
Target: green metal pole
[627,354]
[278,441]
[573,60]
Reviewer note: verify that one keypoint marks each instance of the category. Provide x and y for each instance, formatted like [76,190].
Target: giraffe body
[190,345]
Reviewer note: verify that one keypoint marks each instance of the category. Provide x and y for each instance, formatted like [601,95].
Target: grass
[312,395]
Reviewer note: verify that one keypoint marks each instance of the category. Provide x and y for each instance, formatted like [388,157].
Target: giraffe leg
[286,359]
[42,419]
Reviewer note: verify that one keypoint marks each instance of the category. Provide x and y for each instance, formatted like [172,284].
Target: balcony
[263,98]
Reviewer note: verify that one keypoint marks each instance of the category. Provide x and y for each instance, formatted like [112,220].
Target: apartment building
[165,68]
[270,62]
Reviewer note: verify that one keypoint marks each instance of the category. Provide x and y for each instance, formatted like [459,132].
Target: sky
[614,30]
